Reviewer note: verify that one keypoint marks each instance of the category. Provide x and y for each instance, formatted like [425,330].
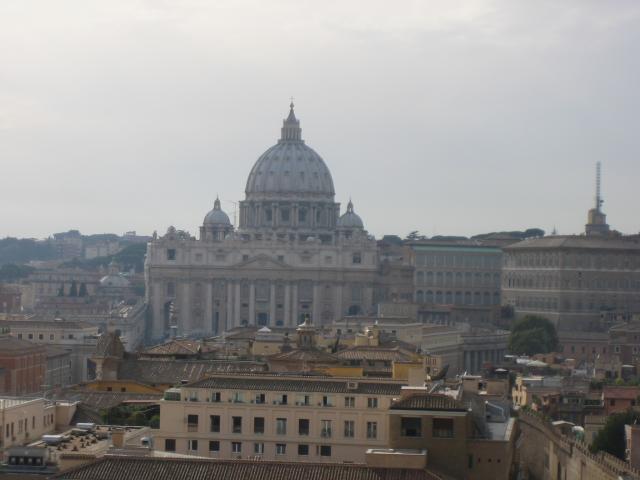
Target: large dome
[290,169]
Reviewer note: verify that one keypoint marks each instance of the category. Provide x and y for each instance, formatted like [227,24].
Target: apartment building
[283,418]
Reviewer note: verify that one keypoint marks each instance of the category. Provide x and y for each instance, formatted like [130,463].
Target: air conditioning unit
[275,402]
[297,403]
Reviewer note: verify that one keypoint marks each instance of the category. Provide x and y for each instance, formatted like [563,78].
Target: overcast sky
[439,116]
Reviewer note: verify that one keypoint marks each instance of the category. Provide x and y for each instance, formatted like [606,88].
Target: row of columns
[473,359]
[228,311]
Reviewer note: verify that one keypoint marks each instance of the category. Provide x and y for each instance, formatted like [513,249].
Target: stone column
[287,305]
[184,315]
[367,301]
[252,304]
[158,329]
[229,323]
[338,310]
[208,307]
[294,305]
[272,303]
[316,307]
[236,307]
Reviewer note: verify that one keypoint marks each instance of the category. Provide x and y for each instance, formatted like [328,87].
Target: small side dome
[350,219]
[216,217]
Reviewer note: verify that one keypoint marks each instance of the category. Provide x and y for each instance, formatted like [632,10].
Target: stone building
[292,255]
[574,281]
[457,281]
[580,282]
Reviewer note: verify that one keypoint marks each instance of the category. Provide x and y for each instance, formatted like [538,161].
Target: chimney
[117,438]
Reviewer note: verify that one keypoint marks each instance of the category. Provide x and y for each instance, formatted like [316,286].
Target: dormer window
[171,253]
[357,257]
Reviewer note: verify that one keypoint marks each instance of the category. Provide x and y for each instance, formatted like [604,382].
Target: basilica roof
[290,168]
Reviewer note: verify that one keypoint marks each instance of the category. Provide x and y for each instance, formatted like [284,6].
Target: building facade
[23,365]
[277,418]
[291,256]
[577,282]
[457,281]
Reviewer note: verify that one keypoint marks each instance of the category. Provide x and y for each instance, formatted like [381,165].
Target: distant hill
[23,250]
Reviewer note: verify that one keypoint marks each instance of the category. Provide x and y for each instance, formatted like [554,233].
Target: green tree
[611,438]
[83,290]
[531,335]
[73,291]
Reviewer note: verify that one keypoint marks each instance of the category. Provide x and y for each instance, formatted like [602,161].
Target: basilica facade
[292,256]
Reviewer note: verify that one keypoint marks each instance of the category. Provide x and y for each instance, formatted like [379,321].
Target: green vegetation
[531,335]
[23,250]
[129,257]
[10,272]
[138,415]
[611,438]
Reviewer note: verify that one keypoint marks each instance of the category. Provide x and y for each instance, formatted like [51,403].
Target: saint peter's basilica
[291,256]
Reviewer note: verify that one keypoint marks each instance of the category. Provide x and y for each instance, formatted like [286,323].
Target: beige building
[24,420]
[315,419]
[292,255]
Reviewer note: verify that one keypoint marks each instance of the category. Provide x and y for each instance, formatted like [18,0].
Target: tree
[73,291]
[611,437]
[83,290]
[531,335]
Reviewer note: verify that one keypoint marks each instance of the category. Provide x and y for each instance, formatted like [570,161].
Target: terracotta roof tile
[118,468]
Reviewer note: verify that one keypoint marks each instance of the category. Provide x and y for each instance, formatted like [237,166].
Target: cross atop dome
[291,131]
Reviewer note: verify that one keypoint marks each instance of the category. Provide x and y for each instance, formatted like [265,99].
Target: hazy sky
[445,117]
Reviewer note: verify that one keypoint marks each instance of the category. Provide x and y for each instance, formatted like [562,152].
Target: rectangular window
[372,402]
[216,397]
[349,428]
[410,427]
[214,421]
[443,427]
[350,402]
[281,448]
[258,448]
[237,397]
[192,423]
[214,446]
[236,425]
[357,258]
[192,445]
[325,428]
[303,450]
[258,425]
[303,426]
[327,401]
[281,426]
[260,398]
[325,450]
[303,400]
[169,443]
[372,429]
[236,447]
[171,253]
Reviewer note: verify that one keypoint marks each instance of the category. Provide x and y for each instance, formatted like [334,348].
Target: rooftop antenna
[599,200]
